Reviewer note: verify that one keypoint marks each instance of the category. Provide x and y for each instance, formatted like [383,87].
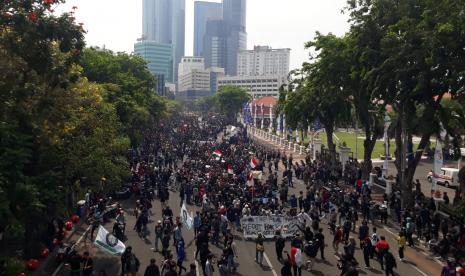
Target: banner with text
[268,225]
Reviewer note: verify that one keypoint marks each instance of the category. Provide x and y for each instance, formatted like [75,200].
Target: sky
[116,24]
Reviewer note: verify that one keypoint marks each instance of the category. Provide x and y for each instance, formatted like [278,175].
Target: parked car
[448,177]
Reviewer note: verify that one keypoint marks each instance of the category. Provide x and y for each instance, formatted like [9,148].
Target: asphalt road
[417,261]
[421,173]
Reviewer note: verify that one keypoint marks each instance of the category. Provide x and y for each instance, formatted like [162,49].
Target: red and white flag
[217,153]
[253,162]
[230,169]
[250,179]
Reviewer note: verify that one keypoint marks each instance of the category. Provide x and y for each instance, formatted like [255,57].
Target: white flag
[108,242]
[186,218]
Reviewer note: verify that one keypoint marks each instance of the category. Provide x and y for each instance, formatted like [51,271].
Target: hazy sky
[277,23]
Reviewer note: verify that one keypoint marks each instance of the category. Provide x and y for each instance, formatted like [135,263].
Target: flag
[257,175]
[217,153]
[250,179]
[271,118]
[186,218]
[109,243]
[253,162]
[230,169]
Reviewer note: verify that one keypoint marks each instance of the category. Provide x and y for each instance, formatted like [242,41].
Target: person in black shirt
[320,239]
[280,243]
[74,263]
[87,264]
[286,270]
[152,269]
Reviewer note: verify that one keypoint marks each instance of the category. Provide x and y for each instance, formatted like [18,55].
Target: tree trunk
[331,146]
[368,146]
[412,165]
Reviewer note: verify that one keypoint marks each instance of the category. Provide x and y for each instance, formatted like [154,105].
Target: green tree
[130,88]
[326,83]
[230,99]
[421,59]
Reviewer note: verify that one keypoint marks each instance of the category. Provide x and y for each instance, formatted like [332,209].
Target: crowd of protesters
[204,164]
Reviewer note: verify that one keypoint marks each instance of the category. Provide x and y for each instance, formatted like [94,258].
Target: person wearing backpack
[259,249]
[409,229]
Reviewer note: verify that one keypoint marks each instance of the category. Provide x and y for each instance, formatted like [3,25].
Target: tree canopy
[230,99]
[403,54]
[68,116]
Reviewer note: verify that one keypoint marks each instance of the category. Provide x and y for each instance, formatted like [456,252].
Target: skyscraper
[224,38]
[214,43]
[159,57]
[203,12]
[163,21]
[263,61]
[234,16]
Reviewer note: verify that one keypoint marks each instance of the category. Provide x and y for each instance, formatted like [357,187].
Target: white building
[192,75]
[256,86]
[263,60]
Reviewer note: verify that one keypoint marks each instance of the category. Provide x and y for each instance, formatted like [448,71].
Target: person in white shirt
[209,266]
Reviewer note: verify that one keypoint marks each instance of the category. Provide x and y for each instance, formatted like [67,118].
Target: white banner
[186,218]
[108,242]
[268,225]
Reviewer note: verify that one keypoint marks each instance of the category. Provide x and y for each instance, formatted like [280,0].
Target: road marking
[414,267]
[419,271]
[269,264]
[196,267]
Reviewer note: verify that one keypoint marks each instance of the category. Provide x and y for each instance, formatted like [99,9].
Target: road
[422,171]
[417,261]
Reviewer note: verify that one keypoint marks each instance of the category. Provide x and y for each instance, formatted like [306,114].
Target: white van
[448,177]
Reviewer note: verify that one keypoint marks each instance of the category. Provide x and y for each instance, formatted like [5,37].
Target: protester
[129,262]
[401,241]
[152,269]
[87,264]
[259,249]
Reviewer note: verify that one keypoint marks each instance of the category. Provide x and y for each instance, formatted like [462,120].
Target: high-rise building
[159,57]
[256,86]
[192,75]
[263,60]
[215,74]
[234,16]
[163,21]
[225,37]
[215,39]
[203,12]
